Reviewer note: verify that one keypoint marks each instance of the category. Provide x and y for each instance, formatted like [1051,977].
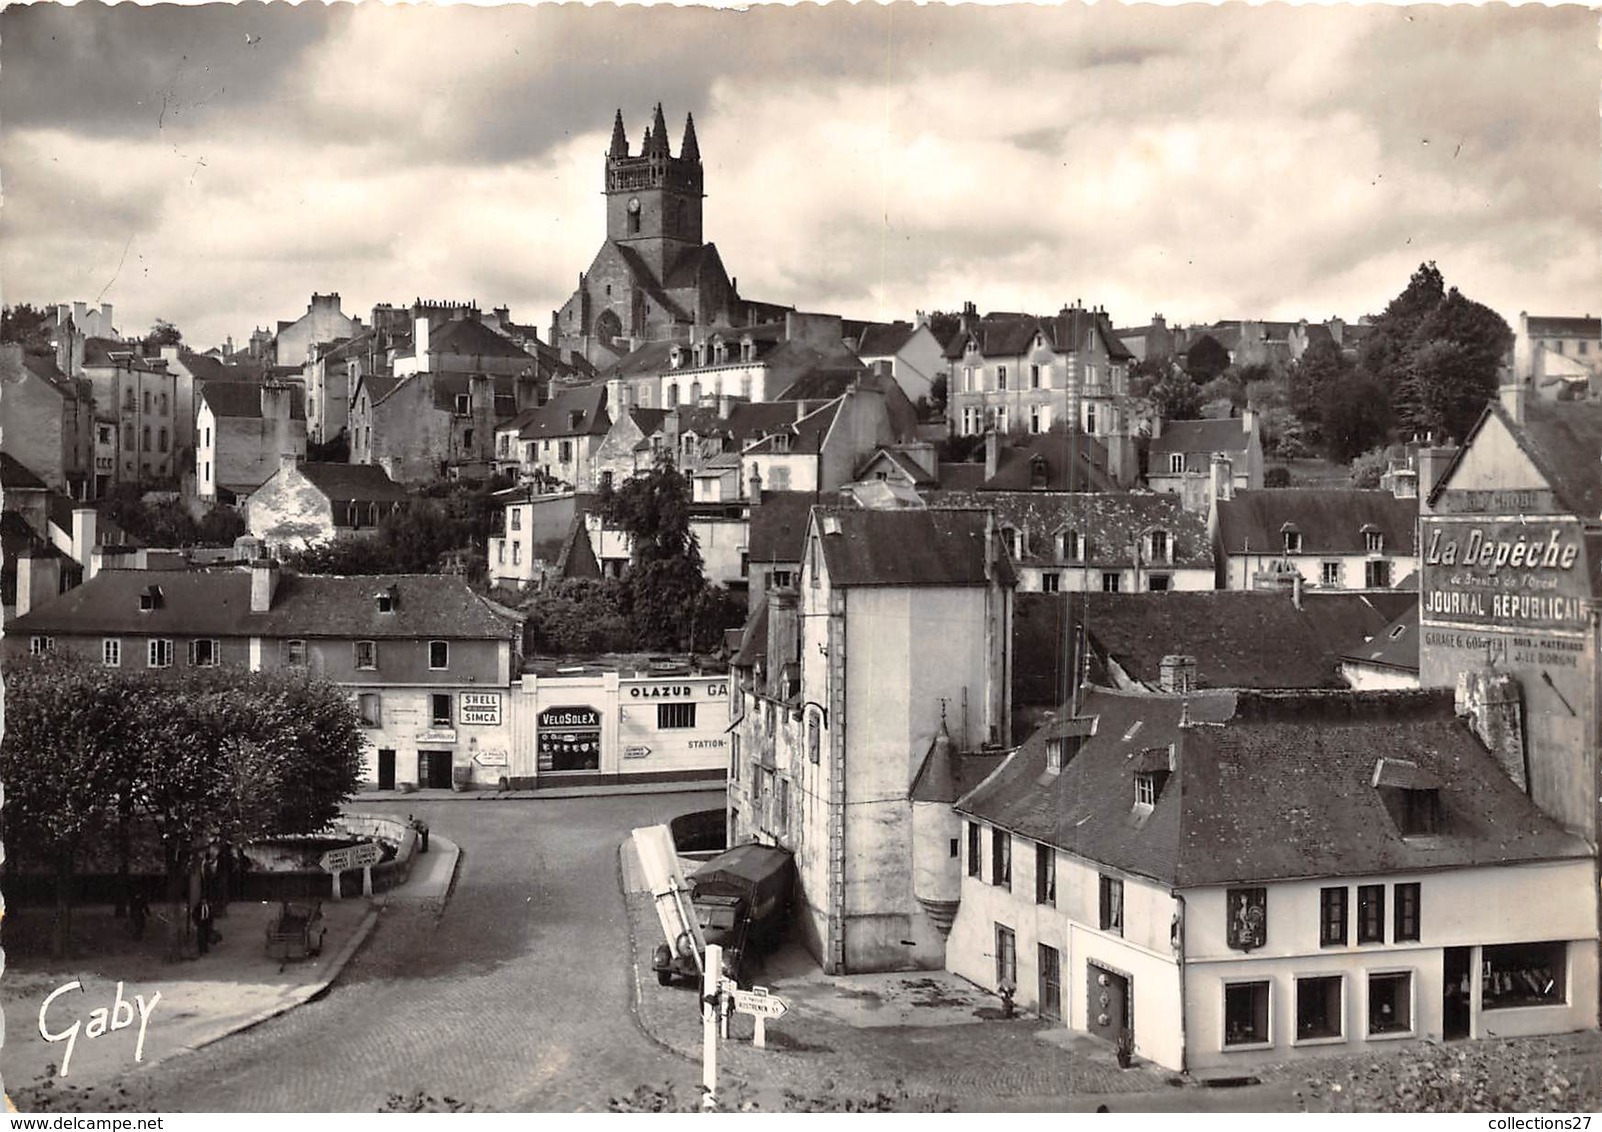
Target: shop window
[1407,919]
[370,707]
[439,709]
[1523,974]
[1371,913]
[1001,858]
[1318,1007]
[1390,1003]
[1045,875]
[1332,917]
[975,859]
[674,716]
[1246,1014]
[1111,902]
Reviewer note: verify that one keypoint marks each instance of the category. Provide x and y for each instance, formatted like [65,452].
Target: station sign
[669,690]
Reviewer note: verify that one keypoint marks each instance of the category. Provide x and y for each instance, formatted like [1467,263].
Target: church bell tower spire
[620,140]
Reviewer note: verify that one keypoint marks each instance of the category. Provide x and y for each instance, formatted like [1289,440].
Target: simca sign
[483,708]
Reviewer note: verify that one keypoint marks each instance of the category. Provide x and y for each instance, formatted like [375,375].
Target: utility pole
[711,1001]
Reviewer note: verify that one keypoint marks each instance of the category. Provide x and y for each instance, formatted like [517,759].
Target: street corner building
[1247,877]
[427,662]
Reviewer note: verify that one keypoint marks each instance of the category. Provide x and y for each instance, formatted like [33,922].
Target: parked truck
[741,900]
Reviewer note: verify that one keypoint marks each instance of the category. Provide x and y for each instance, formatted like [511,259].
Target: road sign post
[363,856]
[711,977]
[761,1005]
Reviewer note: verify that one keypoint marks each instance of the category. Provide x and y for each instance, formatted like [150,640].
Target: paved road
[517,998]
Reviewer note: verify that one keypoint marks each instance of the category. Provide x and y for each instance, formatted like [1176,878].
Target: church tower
[653,199]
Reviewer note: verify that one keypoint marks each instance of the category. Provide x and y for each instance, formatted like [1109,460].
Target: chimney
[263,584]
[756,486]
[288,462]
[85,532]
[800,409]
[38,580]
[992,453]
[1296,588]
[274,401]
[1432,462]
[420,341]
[1223,473]
[1248,421]
[724,404]
[784,637]
[1512,396]
[1178,674]
[1494,705]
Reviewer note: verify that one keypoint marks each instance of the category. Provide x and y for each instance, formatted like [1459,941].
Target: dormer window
[1039,473]
[1159,547]
[1056,754]
[1176,463]
[781,442]
[1151,769]
[1293,538]
[747,350]
[676,358]
[150,598]
[720,351]
[1373,540]
[1013,537]
[388,600]
[1412,796]
[1070,546]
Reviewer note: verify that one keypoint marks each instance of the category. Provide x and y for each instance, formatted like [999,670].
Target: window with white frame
[1159,548]
[1001,377]
[1110,582]
[39,645]
[1319,1013]
[1293,541]
[295,653]
[1070,547]
[205,652]
[158,653]
[1390,1002]
[439,655]
[370,709]
[1377,574]
[1246,1014]
[1006,957]
[1176,463]
[1523,974]
[111,652]
[1330,573]
[1374,541]
[366,654]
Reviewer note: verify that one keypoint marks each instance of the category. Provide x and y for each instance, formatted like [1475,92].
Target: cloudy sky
[215,165]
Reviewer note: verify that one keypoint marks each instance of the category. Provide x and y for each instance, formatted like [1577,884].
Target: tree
[64,765]
[27,325]
[163,333]
[939,392]
[1315,372]
[1176,398]
[1357,416]
[1206,359]
[577,616]
[1385,349]
[1454,368]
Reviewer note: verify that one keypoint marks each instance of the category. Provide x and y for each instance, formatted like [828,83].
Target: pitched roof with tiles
[17,476]
[354,483]
[1240,638]
[1269,787]
[823,382]
[650,359]
[1394,646]
[1006,335]
[908,548]
[1108,524]
[556,417]
[472,338]
[242,399]
[1330,520]
[778,531]
[806,435]
[883,339]
[1203,436]
[217,603]
[44,367]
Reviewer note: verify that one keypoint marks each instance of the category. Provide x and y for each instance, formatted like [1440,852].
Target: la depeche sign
[1512,574]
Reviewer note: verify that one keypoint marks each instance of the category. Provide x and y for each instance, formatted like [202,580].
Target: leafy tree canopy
[163,333]
[26,324]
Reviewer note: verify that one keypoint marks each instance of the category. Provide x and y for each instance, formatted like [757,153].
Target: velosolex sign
[1507,574]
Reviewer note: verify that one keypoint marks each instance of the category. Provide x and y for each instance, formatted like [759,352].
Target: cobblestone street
[516,998]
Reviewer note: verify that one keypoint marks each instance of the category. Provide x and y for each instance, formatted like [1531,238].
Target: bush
[1277,477]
